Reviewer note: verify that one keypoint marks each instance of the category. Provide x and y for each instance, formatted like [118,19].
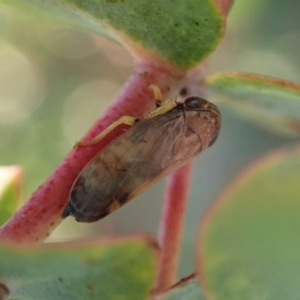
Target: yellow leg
[156,91]
[163,107]
[127,120]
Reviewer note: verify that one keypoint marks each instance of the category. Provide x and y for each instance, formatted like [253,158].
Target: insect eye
[196,103]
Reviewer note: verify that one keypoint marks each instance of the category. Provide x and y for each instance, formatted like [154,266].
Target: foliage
[247,247]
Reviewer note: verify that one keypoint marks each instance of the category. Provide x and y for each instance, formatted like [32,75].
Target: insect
[163,141]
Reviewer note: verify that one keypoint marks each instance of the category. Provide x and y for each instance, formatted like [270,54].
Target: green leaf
[182,32]
[87,270]
[187,289]
[249,245]
[10,185]
[271,102]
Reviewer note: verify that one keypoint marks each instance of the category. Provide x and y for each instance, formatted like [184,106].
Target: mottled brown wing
[130,164]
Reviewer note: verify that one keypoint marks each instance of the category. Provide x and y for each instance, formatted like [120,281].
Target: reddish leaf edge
[224,6]
[290,125]
[256,166]
[268,80]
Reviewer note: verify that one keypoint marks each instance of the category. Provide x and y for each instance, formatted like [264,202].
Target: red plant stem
[42,212]
[175,200]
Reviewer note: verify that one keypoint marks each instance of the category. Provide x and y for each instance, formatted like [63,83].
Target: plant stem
[170,231]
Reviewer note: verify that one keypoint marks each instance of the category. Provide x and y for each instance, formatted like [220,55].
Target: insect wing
[131,163]
[151,149]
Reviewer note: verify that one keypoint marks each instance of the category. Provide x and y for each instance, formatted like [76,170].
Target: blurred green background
[56,80]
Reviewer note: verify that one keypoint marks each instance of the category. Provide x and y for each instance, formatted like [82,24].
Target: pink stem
[42,212]
[175,201]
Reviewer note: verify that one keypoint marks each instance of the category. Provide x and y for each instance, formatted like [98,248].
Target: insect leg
[161,107]
[157,94]
[156,91]
[126,120]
